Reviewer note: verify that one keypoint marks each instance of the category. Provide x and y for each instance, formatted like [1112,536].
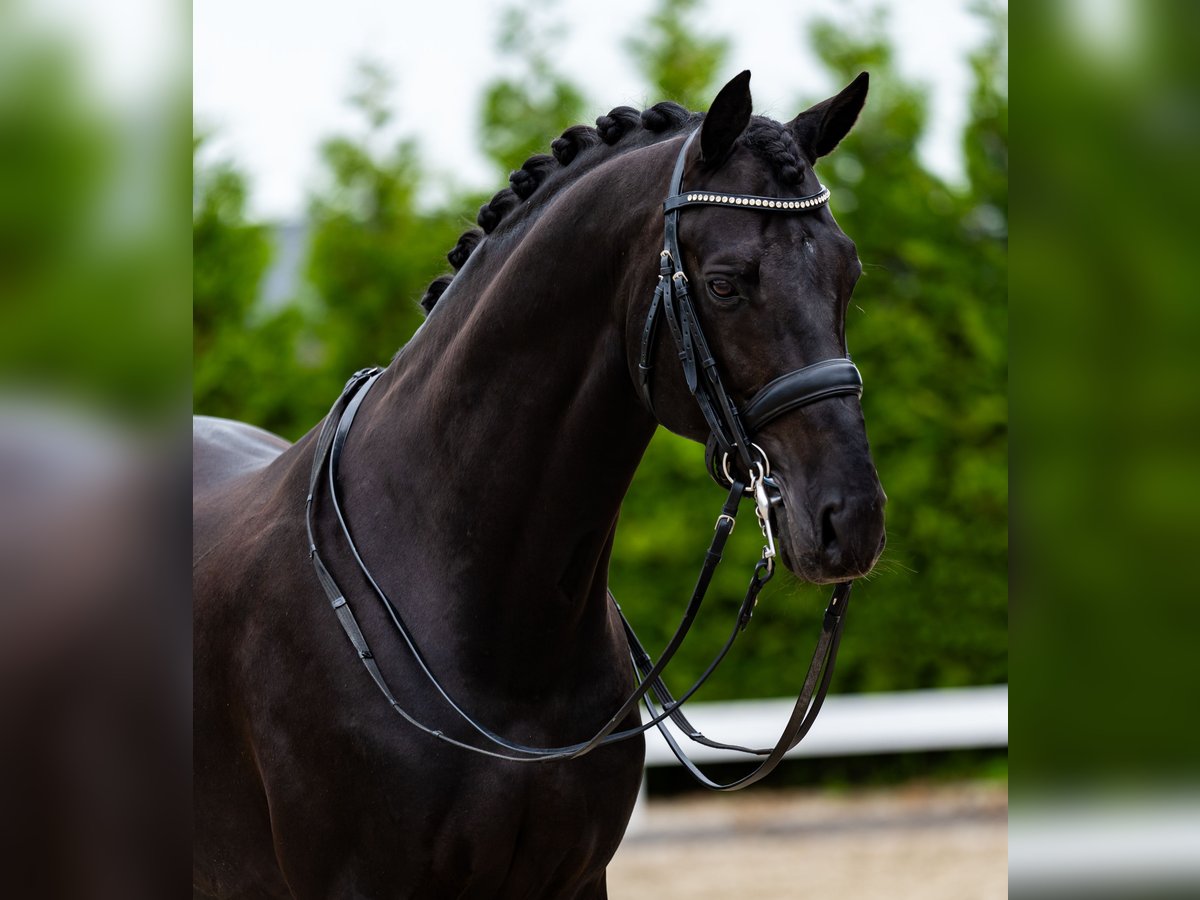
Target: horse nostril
[829,538]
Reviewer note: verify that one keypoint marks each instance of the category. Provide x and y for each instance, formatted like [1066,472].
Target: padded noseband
[828,378]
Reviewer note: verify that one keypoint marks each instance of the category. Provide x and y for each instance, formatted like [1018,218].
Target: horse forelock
[581,148]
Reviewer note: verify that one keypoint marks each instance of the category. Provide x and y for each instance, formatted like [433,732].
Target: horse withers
[481,482]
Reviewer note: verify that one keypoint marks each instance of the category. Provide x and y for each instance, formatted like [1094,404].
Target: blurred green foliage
[373,250]
[928,327]
[91,270]
[246,359]
[1105,617]
[523,112]
[928,324]
[678,63]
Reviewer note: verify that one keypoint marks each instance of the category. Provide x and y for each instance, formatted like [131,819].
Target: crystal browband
[777,204]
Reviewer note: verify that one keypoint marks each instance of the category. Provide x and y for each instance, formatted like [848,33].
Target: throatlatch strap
[649,332]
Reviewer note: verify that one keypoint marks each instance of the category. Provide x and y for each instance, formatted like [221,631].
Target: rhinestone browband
[777,204]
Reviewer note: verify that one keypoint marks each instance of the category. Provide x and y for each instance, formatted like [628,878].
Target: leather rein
[731,436]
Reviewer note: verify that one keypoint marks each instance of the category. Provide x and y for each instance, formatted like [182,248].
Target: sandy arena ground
[944,842]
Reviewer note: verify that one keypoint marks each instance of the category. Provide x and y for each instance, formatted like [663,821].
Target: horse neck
[492,463]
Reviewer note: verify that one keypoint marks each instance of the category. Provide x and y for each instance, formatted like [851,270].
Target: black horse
[482,482]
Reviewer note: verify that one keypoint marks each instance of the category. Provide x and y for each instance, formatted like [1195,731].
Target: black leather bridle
[730,429]
[732,432]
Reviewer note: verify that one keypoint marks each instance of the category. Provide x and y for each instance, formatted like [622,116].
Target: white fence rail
[852,724]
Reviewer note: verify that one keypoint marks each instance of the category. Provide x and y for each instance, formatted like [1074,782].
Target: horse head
[769,293]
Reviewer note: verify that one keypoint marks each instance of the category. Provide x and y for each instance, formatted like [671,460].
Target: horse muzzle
[836,539]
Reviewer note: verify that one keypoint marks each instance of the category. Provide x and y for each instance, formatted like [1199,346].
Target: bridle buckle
[732,522]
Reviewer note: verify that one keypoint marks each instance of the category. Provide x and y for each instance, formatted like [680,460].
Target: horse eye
[721,288]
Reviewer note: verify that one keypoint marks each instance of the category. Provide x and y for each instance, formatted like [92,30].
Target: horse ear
[727,118]
[820,128]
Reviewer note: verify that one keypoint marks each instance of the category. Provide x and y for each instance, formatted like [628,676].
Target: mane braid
[581,148]
[774,143]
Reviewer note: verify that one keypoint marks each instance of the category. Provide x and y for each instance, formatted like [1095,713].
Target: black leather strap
[646,359]
[699,367]
[827,378]
[804,712]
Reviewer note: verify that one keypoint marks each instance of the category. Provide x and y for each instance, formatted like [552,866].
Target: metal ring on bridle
[764,467]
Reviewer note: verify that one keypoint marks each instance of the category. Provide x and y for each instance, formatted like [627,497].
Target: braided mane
[581,148]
